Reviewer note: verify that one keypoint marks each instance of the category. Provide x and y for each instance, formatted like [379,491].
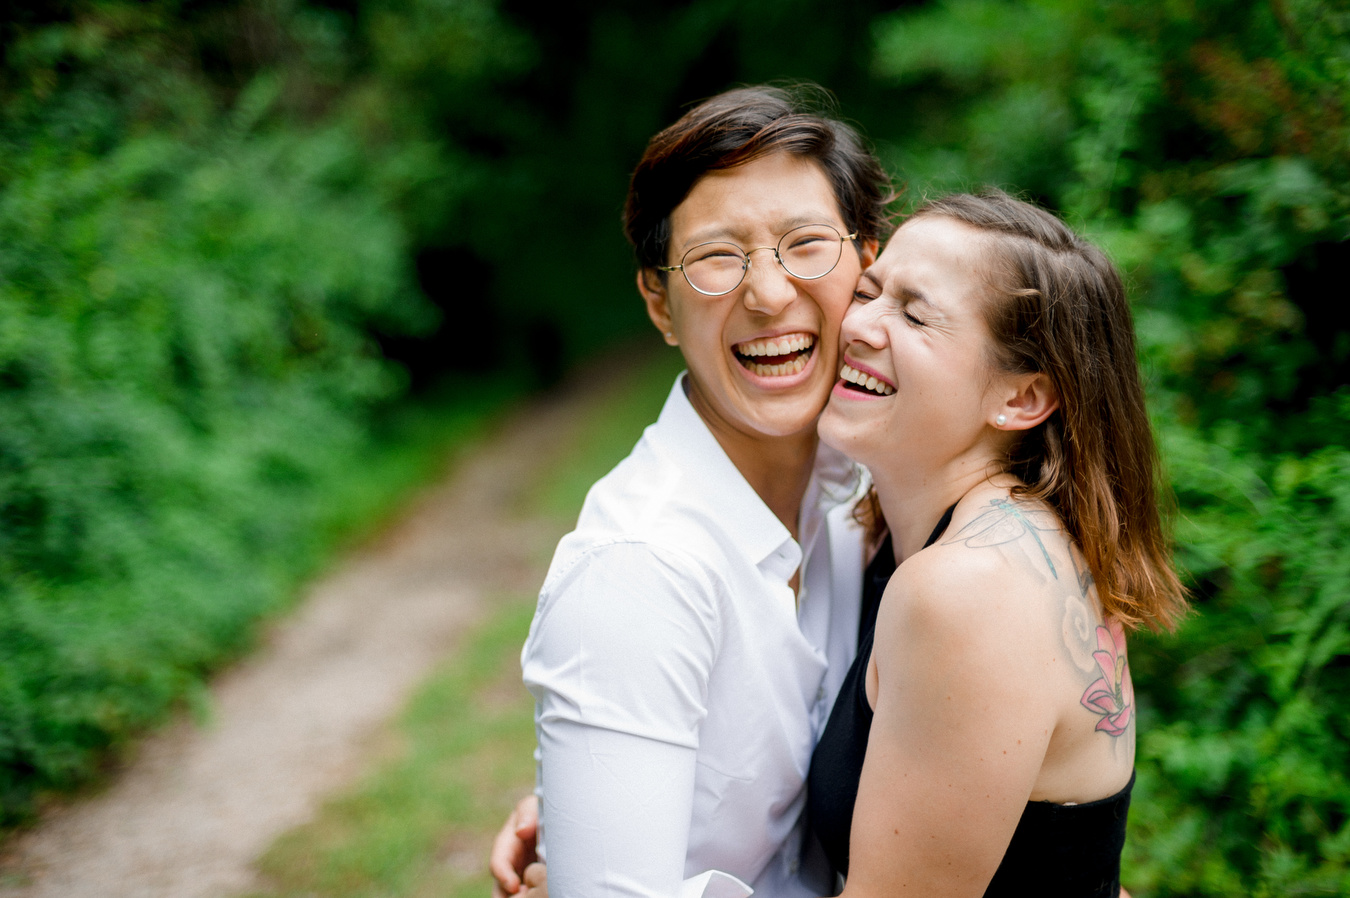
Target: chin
[784,427]
[827,430]
[791,413]
[835,433]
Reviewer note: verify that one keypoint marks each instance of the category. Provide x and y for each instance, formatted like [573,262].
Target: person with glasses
[694,628]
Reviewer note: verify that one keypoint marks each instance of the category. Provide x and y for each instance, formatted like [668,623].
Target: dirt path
[295,721]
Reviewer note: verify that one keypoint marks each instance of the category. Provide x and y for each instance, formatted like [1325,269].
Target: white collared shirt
[679,687]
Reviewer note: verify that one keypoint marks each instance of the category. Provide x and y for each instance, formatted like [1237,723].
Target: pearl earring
[1001,420]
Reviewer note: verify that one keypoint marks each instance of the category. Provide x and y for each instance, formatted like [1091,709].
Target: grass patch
[420,824]
[417,826]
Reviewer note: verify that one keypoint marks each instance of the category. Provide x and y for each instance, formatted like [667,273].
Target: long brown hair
[1057,305]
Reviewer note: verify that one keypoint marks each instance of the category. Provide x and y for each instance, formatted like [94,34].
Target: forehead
[934,256]
[756,201]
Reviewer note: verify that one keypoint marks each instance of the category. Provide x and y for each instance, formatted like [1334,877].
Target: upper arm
[619,658]
[626,640]
[615,811]
[958,737]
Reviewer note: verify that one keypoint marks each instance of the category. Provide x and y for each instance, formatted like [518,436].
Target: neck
[912,502]
[777,468]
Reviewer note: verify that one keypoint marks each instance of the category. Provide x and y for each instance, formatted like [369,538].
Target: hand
[514,850]
[536,881]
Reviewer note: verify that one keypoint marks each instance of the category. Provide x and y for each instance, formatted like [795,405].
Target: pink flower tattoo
[1112,696]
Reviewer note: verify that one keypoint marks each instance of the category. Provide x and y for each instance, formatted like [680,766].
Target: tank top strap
[943,523]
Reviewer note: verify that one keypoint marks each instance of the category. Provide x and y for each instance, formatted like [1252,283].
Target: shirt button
[820,694]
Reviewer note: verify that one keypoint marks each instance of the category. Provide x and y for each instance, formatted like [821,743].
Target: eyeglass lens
[808,252]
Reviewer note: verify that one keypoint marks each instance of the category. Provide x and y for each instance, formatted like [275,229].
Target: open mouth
[776,356]
[863,382]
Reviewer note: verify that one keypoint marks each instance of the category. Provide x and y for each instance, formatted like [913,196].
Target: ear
[1029,400]
[656,297]
[869,248]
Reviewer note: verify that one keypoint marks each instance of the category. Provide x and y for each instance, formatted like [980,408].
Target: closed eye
[866,283]
[805,240]
[719,251]
[909,316]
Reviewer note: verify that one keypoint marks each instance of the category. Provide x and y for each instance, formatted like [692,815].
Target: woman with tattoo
[989,383]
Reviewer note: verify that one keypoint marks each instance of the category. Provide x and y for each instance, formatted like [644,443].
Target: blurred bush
[545,109]
[187,300]
[1206,144]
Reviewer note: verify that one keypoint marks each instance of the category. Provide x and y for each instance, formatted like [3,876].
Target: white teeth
[866,381]
[776,346]
[793,367]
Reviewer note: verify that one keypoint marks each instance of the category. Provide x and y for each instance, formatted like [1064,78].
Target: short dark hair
[1057,305]
[737,127]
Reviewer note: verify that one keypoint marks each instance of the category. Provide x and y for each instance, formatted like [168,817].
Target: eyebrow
[903,293]
[909,294]
[717,233]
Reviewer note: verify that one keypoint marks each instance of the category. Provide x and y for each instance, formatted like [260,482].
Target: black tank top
[1057,850]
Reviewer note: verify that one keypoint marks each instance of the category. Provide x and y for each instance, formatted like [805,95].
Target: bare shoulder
[945,607]
[994,555]
[1022,531]
[990,589]
[957,649]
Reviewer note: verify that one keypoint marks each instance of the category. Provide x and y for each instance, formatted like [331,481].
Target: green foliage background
[1207,146]
[241,236]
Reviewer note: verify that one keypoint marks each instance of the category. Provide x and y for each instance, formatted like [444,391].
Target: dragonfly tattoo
[1005,522]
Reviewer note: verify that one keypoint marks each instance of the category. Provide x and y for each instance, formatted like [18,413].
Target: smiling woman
[921,304]
[983,742]
[694,628]
[788,325]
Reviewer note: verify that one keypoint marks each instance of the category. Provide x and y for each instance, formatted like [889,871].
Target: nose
[768,287]
[862,324]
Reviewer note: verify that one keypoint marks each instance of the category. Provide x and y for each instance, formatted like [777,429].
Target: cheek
[693,318]
[834,312]
[834,305]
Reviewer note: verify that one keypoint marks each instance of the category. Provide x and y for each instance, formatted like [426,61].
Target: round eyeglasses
[806,253]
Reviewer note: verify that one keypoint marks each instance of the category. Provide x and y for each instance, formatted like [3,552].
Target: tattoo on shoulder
[1111,696]
[1079,629]
[1005,522]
